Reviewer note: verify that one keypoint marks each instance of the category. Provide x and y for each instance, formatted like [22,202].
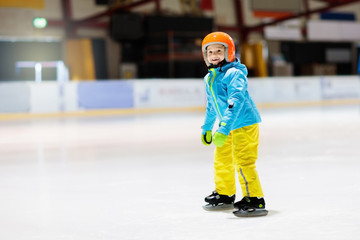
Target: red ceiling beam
[66,9]
[301,14]
[329,1]
[244,31]
[67,16]
[239,14]
[56,23]
[61,23]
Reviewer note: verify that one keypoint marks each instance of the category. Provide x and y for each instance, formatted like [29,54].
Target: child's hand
[206,138]
[219,139]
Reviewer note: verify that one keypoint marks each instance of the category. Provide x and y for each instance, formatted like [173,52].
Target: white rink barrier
[51,97]
[292,91]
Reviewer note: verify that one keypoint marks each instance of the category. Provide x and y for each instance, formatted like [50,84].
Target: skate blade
[255,213]
[220,207]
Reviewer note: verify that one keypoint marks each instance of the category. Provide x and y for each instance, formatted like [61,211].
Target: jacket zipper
[212,92]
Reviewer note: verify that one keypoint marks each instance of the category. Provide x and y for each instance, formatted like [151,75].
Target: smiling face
[215,53]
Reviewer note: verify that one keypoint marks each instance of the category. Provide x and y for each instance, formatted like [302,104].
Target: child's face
[215,53]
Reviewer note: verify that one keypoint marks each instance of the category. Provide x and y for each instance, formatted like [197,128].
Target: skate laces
[248,203]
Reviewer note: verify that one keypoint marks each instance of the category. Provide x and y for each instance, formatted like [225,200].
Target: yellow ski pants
[239,152]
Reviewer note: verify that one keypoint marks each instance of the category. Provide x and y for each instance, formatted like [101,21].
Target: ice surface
[145,177]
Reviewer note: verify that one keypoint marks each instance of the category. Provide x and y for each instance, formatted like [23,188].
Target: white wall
[17,22]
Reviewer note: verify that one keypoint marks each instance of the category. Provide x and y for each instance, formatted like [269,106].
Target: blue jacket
[228,98]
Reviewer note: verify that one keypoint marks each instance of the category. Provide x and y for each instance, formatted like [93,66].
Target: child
[237,136]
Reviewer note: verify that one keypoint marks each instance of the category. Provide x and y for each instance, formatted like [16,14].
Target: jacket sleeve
[210,117]
[236,89]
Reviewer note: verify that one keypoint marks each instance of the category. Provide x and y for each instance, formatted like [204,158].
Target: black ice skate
[219,202]
[250,207]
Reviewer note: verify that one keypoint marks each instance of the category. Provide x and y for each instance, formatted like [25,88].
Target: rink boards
[128,96]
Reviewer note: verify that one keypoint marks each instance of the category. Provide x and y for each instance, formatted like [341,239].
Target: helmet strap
[220,64]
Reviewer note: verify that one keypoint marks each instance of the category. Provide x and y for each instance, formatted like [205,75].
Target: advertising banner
[169,93]
[285,89]
[105,94]
[343,87]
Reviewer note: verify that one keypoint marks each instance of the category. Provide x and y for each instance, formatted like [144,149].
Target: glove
[219,139]
[206,138]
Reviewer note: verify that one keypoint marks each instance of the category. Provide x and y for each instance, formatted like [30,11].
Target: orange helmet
[219,38]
